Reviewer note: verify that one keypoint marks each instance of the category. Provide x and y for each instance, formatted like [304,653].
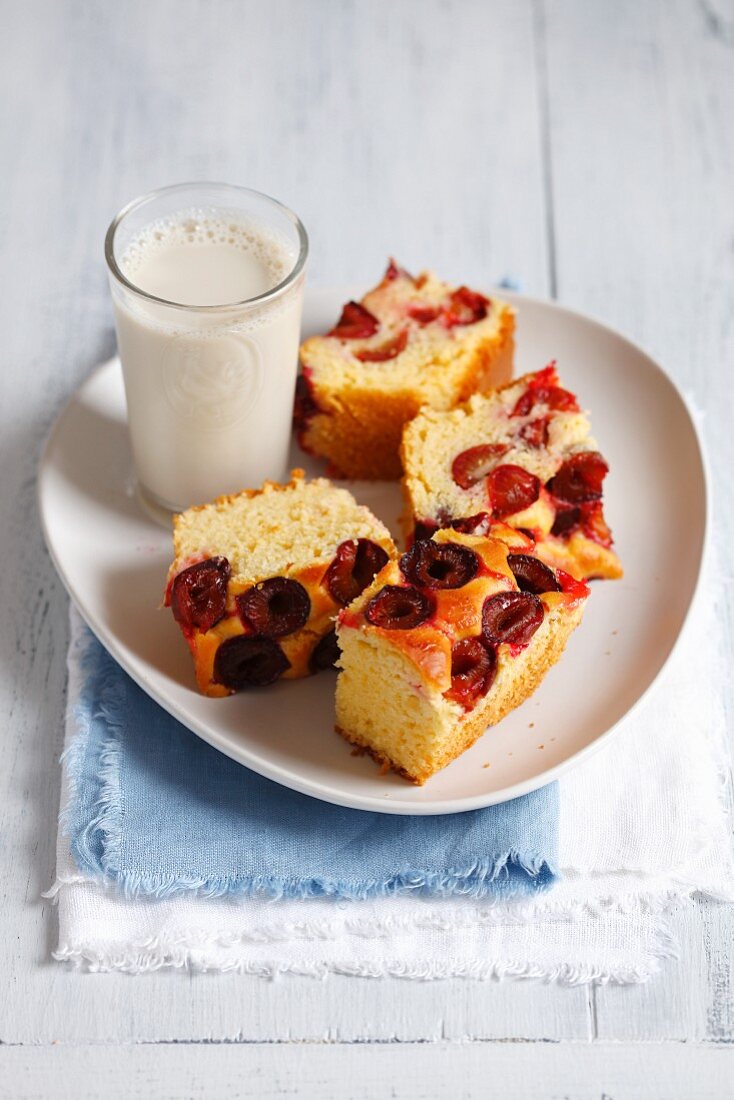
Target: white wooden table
[587,147]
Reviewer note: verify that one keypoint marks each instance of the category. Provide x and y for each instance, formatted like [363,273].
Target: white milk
[209,393]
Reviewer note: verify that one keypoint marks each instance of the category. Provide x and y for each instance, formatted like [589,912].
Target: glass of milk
[207,287]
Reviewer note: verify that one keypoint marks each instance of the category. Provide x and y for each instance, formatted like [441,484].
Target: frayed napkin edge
[160,952]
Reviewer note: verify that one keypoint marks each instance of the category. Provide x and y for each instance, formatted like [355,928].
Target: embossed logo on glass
[215,382]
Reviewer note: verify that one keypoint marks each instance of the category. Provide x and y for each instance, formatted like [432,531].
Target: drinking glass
[209,388]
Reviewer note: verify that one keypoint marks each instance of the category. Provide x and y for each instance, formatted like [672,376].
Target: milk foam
[206,258]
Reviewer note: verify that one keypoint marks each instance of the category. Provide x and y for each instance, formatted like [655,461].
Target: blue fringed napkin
[157,811]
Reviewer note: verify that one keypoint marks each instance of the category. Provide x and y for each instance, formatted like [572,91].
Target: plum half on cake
[522,454]
[258,578]
[409,342]
[445,642]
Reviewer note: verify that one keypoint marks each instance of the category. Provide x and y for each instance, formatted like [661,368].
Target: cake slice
[523,454]
[446,642]
[258,578]
[409,342]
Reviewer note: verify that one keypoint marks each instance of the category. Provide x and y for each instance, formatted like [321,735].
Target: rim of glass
[150,196]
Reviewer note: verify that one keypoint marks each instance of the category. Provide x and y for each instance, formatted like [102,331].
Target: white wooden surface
[588,147]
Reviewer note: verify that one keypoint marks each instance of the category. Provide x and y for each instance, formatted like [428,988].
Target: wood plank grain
[49,1004]
[404,1071]
[641,98]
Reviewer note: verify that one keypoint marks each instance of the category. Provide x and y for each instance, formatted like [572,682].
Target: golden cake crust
[483,716]
[511,697]
[395,693]
[286,531]
[434,440]
[358,411]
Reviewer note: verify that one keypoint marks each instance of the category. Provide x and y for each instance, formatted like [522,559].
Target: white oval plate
[113,560]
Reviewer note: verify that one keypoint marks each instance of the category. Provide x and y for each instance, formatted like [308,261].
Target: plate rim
[321,790]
